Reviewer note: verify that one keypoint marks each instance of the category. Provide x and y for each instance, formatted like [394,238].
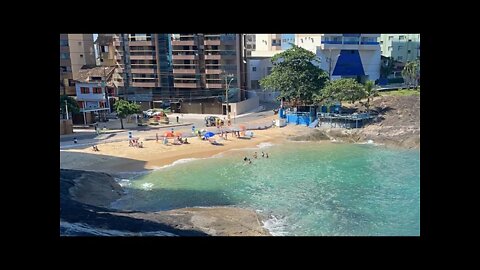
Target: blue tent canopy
[209,134]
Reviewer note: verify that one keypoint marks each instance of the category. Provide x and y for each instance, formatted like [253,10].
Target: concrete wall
[201,107]
[66,126]
[244,106]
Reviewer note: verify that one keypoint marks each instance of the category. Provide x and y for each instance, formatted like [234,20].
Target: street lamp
[227,86]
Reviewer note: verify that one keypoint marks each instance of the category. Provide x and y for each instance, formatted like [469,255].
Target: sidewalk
[202,116]
[84,132]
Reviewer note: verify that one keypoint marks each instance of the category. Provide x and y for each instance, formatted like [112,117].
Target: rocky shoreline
[85,197]
[397,125]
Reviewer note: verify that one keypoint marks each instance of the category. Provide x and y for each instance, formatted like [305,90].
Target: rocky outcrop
[85,196]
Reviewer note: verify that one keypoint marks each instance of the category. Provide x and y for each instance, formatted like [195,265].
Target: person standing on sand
[156,136]
[75,140]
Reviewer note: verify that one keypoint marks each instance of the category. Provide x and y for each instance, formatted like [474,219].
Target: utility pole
[66,107]
[226,93]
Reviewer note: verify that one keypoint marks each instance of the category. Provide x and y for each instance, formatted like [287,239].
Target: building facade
[144,70]
[402,47]
[95,93]
[204,65]
[76,51]
[350,56]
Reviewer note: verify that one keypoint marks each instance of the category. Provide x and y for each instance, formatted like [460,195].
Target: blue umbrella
[209,134]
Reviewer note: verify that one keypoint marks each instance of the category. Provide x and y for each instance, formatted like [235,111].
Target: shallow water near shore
[315,188]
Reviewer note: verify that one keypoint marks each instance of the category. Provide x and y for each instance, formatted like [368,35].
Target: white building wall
[371,61]
[308,41]
[90,96]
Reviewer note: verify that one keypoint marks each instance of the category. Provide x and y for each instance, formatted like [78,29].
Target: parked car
[211,121]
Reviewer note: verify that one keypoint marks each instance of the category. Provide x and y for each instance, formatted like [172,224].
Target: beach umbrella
[168,134]
[209,134]
[242,127]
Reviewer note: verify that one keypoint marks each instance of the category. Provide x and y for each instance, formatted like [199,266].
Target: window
[381,41]
[389,48]
[390,37]
[97,90]
[79,43]
[104,49]
[400,48]
[401,37]
[81,55]
[63,42]
[84,90]
[409,51]
[254,68]
[399,58]
[64,56]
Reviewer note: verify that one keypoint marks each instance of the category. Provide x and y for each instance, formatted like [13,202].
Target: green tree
[295,75]
[387,67]
[411,73]
[370,92]
[125,108]
[71,104]
[341,90]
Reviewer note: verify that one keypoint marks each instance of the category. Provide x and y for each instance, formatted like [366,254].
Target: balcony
[212,42]
[212,57]
[184,57]
[183,42]
[142,57]
[185,85]
[214,85]
[141,43]
[143,84]
[331,42]
[184,71]
[213,71]
[369,43]
[143,71]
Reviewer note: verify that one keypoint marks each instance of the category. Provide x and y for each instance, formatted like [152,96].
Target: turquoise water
[302,189]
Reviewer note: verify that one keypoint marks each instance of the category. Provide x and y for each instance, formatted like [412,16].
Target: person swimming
[255,155]
[263,154]
[245,159]
[267,155]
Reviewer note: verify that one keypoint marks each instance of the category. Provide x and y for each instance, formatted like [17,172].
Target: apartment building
[143,67]
[204,66]
[350,56]
[402,47]
[76,51]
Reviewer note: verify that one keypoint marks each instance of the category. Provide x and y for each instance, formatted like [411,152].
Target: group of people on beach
[95,148]
[135,143]
[264,155]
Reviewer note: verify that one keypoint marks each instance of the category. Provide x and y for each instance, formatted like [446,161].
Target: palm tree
[411,73]
[370,93]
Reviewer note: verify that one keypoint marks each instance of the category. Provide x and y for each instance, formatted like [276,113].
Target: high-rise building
[267,45]
[402,47]
[144,69]
[350,56]
[76,51]
[106,50]
[204,66]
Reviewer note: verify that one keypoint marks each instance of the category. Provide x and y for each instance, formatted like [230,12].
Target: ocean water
[302,189]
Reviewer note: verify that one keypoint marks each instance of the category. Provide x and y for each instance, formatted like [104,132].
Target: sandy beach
[118,157]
